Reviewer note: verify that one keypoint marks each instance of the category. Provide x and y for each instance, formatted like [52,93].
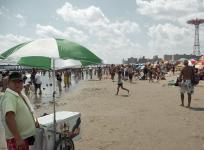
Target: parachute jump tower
[196,47]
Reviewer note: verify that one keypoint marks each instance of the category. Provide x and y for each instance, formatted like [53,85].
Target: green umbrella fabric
[52,49]
[46,63]
[37,62]
[1,57]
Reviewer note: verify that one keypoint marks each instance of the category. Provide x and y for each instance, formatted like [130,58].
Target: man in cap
[17,115]
[186,75]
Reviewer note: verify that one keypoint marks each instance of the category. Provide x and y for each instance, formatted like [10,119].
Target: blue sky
[112,29]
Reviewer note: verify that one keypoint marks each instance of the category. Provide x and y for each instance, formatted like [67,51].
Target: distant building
[141,60]
[132,60]
[156,58]
[176,57]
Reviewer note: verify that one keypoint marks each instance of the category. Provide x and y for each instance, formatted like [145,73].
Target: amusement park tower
[196,47]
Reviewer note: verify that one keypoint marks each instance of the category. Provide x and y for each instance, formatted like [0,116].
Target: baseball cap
[15,76]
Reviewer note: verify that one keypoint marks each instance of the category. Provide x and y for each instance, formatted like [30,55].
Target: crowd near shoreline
[107,80]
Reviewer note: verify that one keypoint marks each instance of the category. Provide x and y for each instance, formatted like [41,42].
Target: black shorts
[130,76]
[37,86]
[120,84]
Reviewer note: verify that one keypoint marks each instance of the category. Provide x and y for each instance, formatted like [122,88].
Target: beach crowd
[12,84]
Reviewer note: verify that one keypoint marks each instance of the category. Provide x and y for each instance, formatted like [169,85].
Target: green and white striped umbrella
[41,51]
[1,57]
[46,63]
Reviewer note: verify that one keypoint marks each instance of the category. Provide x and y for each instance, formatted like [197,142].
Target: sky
[113,29]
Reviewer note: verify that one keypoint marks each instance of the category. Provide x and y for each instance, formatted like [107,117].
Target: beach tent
[50,49]
[182,59]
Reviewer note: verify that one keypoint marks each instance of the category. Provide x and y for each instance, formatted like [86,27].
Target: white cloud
[70,33]
[108,39]
[168,7]
[10,40]
[105,45]
[170,39]
[125,26]
[22,22]
[4,12]
[173,10]
[91,15]
[113,51]
[48,31]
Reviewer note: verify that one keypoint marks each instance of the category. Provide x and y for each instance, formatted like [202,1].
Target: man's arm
[181,75]
[11,123]
[193,72]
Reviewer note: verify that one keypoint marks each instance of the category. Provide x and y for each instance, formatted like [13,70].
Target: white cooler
[66,122]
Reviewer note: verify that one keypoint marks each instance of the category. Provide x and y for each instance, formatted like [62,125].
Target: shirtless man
[186,75]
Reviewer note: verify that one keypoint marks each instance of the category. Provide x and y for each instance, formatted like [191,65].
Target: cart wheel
[64,143]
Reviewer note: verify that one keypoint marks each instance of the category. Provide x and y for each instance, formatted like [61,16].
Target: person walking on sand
[59,80]
[120,83]
[186,75]
[5,81]
[66,79]
[112,72]
[38,83]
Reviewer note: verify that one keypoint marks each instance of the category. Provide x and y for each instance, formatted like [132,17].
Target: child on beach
[120,83]
[29,89]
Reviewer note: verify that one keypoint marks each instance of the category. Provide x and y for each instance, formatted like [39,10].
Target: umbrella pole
[54,109]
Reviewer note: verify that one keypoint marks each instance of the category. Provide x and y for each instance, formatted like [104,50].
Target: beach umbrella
[193,61]
[199,66]
[202,62]
[1,57]
[181,59]
[190,63]
[50,49]
[47,64]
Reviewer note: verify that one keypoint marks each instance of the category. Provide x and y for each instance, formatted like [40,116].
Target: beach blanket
[171,82]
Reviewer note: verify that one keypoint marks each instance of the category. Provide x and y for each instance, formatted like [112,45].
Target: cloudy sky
[112,29]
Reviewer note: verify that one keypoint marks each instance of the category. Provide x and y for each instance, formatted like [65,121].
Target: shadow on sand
[124,95]
[94,80]
[197,108]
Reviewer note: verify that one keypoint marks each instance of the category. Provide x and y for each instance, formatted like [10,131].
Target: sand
[150,118]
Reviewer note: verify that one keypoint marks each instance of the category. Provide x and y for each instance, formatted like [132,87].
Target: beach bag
[195,80]
[178,82]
